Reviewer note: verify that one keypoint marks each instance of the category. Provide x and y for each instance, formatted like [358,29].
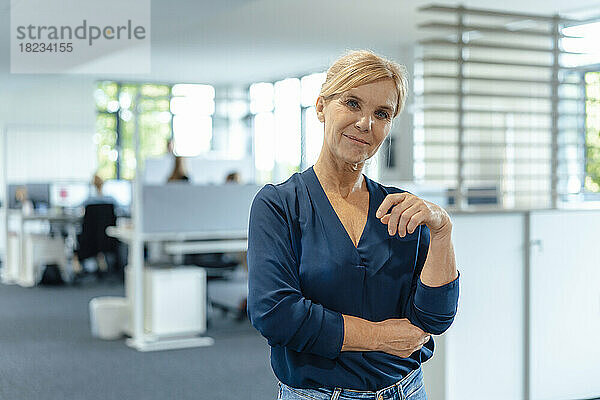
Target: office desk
[125,232]
[28,247]
[180,243]
[176,244]
[55,218]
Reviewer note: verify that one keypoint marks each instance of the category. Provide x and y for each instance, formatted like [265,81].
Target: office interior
[501,127]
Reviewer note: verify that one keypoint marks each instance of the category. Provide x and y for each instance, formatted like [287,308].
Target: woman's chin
[352,157]
[355,161]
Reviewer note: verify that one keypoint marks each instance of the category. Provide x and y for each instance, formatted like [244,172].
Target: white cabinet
[565,305]
[480,356]
[529,309]
[174,300]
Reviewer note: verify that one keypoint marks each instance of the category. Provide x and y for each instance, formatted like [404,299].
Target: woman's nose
[364,123]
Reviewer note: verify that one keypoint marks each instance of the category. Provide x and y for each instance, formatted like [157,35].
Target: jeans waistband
[401,389]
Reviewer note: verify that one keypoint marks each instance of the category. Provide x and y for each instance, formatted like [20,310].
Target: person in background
[179,171]
[170,147]
[233,177]
[23,200]
[97,198]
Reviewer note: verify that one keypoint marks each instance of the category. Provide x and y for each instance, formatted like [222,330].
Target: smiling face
[358,120]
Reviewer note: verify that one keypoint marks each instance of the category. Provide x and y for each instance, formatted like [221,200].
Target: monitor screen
[15,194]
[120,190]
[69,195]
[37,193]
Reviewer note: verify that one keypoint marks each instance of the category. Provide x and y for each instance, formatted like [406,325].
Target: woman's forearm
[359,334]
[393,336]
[440,265]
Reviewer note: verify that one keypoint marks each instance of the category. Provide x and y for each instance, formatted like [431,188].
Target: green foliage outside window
[117,107]
[592,180]
[106,139]
[105,93]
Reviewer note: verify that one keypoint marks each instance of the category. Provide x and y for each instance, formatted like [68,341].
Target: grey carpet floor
[47,352]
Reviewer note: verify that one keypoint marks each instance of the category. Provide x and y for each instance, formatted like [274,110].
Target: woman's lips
[355,139]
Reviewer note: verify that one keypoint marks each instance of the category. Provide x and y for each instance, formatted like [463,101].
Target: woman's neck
[338,176]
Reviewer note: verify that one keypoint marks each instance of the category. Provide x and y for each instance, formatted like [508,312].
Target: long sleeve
[431,308]
[276,305]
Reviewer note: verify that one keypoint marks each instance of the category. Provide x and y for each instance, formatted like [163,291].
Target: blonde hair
[359,67]
[98,182]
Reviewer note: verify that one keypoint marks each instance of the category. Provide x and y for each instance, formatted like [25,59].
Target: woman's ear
[319,108]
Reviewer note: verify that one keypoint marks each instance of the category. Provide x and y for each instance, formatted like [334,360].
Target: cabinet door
[484,347]
[565,305]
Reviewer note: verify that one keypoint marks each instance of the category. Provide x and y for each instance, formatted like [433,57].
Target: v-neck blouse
[337,217]
[305,272]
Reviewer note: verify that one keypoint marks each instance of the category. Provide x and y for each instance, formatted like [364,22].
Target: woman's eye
[352,103]
[382,114]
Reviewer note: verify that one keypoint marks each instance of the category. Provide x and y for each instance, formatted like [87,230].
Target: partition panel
[565,305]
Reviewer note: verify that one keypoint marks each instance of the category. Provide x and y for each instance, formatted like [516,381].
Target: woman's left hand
[409,211]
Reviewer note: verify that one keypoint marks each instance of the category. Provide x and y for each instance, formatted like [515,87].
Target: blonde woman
[179,171]
[348,279]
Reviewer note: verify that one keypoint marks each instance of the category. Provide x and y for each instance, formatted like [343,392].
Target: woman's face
[358,120]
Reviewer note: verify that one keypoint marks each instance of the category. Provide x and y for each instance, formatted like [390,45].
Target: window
[592,156]
[231,124]
[499,113]
[120,106]
[275,123]
[287,127]
[312,127]
[192,107]
[261,105]
[105,138]
[278,144]
[288,137]
[183,112]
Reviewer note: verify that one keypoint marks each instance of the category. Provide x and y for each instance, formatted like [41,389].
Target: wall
[50,121]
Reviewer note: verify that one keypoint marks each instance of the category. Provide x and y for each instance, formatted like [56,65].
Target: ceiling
[241,41]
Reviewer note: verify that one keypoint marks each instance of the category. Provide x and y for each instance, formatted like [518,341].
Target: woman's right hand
[393,336]
[399,337]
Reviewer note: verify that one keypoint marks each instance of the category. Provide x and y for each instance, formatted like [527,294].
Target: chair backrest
[93,238]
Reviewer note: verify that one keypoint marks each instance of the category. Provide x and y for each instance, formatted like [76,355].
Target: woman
[178,173]
[349,278]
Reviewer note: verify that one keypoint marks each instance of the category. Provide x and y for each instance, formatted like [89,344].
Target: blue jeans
[408,388]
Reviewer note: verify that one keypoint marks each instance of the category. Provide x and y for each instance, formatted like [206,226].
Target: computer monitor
[69,194]
[13,202]
[37,193]
[120,190]
[476,195]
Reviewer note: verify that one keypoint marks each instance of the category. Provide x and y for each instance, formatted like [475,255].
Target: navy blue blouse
[305,272]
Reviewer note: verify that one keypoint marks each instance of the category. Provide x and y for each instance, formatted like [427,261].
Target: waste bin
[108,317]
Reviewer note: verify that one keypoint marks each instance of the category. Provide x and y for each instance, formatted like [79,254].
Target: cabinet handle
[537,243]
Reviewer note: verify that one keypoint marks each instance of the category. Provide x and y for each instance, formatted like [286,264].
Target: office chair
[217,265]
[93,240]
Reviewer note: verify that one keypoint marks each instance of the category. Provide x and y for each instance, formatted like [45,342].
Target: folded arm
[434,294]
[276,305]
